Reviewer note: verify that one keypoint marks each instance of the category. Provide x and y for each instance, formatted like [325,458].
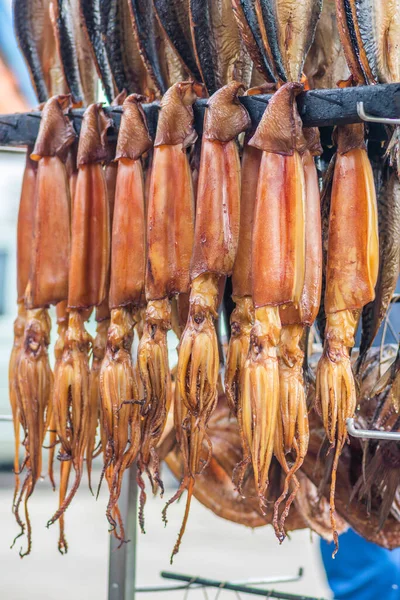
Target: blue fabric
[361,570]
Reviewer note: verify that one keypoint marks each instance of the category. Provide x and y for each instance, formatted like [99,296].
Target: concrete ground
[211,548]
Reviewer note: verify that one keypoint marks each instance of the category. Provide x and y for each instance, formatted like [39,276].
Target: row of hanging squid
[145,234]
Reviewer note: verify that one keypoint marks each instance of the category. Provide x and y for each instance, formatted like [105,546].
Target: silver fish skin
[26,31]
[326,63]
[379,26]
[91,21]
[296,23]
[67,47]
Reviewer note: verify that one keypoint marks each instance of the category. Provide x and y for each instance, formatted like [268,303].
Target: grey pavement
[212,547]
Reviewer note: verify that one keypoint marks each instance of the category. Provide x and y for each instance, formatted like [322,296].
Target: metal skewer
[371,434]
[373,118]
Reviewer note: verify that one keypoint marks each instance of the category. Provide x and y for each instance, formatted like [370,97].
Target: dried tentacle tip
[281,130]
[225,116]
[56,132]
[93,137]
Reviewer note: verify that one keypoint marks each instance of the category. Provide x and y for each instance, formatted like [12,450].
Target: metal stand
[122,562]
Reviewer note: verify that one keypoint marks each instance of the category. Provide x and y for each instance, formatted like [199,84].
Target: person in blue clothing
[361,570]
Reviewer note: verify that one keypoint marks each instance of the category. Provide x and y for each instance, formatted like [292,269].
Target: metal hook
[371,434]
[371,118]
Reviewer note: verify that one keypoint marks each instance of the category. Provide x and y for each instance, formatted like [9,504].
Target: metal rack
[317,108]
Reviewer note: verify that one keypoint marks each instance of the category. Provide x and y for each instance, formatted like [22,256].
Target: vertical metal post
[122,561]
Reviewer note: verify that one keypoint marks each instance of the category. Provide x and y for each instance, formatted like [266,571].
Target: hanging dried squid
[351,275]
[278,267]
[102,315]
[120,413]
[170,230]
[292,426]
[47,284]
[215,246]
[24,243]
[88,269]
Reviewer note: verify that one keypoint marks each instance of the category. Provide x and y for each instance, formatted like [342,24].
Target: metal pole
[225,585]
[122,561]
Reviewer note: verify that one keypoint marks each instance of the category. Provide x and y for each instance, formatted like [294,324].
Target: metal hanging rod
[371,434]
[248,582]
[234,587]
[317,108]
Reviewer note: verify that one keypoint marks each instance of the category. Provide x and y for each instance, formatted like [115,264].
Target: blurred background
[211,548]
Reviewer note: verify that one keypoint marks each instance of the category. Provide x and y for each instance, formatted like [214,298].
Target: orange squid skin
[90,243]
[351,272]
[278,235]
[48,278]
[170,228]
[49,266]
[242,318]
[307,310]
[26,214]
[241,276]
[218,213]
[128,240]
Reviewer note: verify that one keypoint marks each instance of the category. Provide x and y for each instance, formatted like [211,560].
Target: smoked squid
[170,230]
[88,269]
[278,273]
[120,413]
[102,313]
[47,284]
[292,426]
[215,246]
[24,242]
[351,275]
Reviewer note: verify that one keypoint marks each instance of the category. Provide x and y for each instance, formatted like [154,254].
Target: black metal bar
[235,587]
[318,108]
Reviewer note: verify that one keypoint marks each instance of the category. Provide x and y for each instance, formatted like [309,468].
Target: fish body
[24,21]
[295,24]
[173,16]
[249,28]
[148,38]
[91,19]
[62,17]
[326,63]
[112,26]
[204,44]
